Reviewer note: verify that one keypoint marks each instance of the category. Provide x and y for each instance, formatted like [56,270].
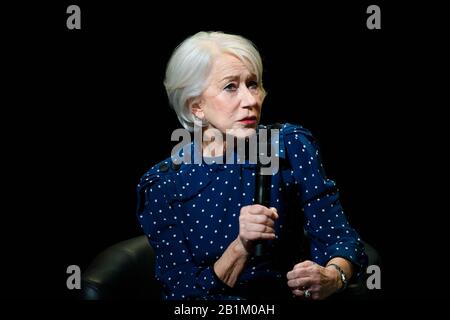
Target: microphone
[262,188]
[262,197]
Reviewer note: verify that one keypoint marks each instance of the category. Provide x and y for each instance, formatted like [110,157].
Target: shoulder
[160,172]
[291,130]
[288,129]
[291,134]
[297,143]
[296,135]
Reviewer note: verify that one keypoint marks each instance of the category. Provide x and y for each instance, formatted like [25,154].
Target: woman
[201,219]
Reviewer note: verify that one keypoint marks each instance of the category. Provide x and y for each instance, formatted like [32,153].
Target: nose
[248,99]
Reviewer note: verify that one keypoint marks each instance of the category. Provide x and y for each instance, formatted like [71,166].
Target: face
[232,101]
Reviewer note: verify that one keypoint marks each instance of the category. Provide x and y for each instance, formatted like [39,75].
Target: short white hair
[191,63]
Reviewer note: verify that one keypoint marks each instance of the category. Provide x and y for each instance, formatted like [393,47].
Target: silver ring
[307,294]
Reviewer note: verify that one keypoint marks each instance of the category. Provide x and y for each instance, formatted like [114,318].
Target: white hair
[191,63]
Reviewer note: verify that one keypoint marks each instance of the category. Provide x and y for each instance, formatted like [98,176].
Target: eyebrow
[229,77]
[250,76]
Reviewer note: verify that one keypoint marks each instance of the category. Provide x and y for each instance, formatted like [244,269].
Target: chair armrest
[123,271]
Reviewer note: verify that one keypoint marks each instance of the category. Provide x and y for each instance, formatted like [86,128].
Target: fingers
[302,269]
[302,276]
[259,219]
[304,264]
[258,215]
[260,236]
[257,231]
[259,228]
[300,293]
[307,280]
[257,222]
[258,209]
[299,286]
[299,283]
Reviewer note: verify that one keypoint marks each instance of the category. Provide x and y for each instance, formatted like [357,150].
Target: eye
[252,85]
[231,87]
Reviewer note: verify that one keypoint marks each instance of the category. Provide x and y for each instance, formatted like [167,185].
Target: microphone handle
[262,197]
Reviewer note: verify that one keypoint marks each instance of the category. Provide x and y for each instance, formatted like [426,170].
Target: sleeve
[328,230]
[175,268]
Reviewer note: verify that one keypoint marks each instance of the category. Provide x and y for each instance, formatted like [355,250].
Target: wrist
[341,276]
[239,248]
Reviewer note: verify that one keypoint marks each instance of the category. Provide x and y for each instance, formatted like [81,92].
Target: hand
[319,281]
[256,223]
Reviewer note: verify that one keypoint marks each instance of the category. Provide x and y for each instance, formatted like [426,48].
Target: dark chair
[125,271]
[122,271]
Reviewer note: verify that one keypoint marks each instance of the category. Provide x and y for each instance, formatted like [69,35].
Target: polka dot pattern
[191,215]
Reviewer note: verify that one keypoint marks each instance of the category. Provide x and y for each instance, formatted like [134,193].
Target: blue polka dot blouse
[190,214]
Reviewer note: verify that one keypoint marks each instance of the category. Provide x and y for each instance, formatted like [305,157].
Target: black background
[85,115]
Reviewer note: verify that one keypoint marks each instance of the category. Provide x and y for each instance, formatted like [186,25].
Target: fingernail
[276,211]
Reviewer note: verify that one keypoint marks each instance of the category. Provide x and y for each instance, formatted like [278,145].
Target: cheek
[224,106]
[260,99]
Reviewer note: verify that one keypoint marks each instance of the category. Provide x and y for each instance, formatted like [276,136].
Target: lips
[248,120]
[253,118]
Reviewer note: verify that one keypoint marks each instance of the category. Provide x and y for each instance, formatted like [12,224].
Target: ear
[196,107]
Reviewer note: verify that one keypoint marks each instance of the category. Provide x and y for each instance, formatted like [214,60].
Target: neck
[213,143]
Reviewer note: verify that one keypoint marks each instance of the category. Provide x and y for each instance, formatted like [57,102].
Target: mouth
[248,120]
